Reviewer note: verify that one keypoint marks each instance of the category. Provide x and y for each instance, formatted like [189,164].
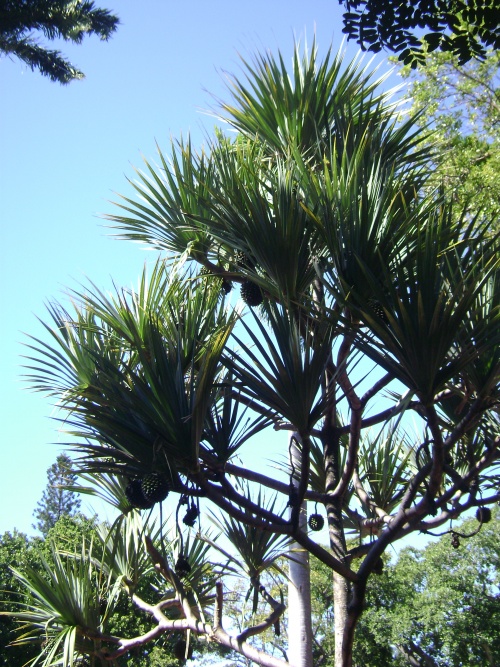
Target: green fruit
[155,487]
[251,293]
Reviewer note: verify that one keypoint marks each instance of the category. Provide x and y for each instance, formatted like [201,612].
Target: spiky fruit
[483,514]
[251,293]
[182,567]
[154,487]
[455,542]
[135,495]
[316,522]
[191,515]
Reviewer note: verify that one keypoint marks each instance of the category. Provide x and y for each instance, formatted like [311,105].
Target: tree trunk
[299,589]
[341,588]
[340,602]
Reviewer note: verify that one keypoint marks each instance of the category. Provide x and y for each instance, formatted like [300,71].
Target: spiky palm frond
[125,558]
[383,466]
[256,209]
[64,616]
[257,548]
[317,474]
[427,298]
[136,378]
[299,110]
[482,329]
[276,371]
[108,487]
[166,193]
[227,426]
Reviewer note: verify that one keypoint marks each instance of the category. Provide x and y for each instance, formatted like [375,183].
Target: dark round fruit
[191,516]
[251,293]
[316,522]
[483,514]
[182,567]
[136,497]
[155,487]
[455,542]
[226,286]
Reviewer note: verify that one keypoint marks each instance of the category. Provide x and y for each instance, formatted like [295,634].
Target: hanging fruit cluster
[144,492]
[251,293]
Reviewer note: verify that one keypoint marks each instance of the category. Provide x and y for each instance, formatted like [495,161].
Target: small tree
[21,20]
[368,327]
[57,500]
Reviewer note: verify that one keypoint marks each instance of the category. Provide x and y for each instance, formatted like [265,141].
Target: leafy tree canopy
[466,28]
[460,105]
[22,20]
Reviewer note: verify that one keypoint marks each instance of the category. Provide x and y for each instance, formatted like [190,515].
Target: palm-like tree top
[370,299]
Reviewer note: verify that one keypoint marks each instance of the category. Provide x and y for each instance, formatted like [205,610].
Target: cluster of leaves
[464,28]
[22,20]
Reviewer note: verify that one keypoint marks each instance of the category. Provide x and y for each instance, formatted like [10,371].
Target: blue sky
[65,151]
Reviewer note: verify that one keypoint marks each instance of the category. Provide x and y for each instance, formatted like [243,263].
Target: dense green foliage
[15,551]
[21,21]
[465,28]
[460,105]
[57,501]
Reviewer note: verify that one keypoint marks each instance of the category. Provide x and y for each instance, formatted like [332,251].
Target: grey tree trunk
[299,589]
[340,601]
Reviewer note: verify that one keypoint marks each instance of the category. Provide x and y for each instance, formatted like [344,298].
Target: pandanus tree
[368,328]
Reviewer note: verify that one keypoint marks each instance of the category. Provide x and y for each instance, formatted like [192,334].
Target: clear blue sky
[65,150]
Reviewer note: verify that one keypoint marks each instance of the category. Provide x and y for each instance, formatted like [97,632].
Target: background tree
[15,551]
[57,500]
[22,20]
[461,107]
[421,613]
[464,28]
[367,328]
